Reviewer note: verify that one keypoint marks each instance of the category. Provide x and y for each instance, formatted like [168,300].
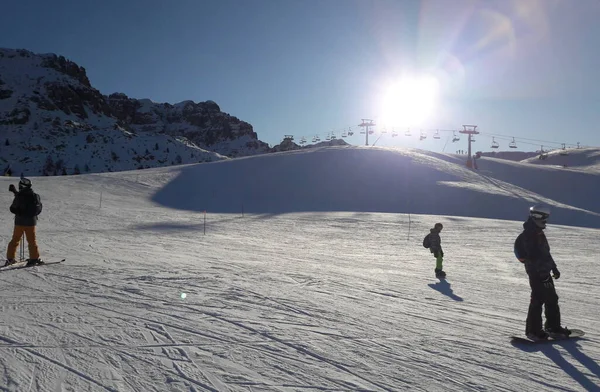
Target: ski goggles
[540,215]
[24,183]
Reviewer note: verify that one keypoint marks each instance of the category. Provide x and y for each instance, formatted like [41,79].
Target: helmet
[24,183]
[540,215]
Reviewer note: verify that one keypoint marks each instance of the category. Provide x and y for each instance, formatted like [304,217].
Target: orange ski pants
[29,231]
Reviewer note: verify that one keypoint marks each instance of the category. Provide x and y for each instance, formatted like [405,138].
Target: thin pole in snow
[204,222]
[100,199]
[409,221]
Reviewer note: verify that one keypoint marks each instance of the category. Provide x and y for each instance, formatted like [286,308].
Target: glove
[555,273]
[547,283]
[11,188]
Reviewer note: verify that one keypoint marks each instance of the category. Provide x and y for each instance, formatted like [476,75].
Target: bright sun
[409,101]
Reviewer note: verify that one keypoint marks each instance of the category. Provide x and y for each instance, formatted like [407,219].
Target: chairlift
[371,131]
[344,134]
[495,143]
[317,138]
[302,140]
[314,140]
[454,137]
[407,133]
[350,132]
[436,135]
[333,137]
[384,130]
[328,137]
[394,133]
[512,144]
[288,137]
[423,136]
[563,150]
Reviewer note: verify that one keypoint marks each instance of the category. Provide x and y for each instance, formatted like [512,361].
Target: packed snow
[299,271]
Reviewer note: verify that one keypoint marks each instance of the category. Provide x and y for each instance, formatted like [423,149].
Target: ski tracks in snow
[281,303]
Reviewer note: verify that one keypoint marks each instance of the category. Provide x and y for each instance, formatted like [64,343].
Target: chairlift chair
[423,136]
[344,134]
[495,143]
[436,135]
[454,137]
[512,144]
[407,133]
[333,137]
[563,150]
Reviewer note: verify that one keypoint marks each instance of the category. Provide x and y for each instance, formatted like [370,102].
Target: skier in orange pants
[26,206]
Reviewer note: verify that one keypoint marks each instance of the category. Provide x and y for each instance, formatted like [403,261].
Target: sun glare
[409,101]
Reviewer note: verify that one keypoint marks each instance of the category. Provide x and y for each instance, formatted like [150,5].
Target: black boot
[439,273]
[32,262]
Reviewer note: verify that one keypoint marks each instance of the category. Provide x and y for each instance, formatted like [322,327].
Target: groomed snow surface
[308,274]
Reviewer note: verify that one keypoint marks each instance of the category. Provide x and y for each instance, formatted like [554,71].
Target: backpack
[519,248]
[426,241]
[32,205]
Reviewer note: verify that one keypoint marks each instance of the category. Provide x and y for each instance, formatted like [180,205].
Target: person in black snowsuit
[532,249]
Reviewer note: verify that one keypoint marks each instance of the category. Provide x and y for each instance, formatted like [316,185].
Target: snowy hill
[384,180]
[157,296]
[587,159]
[54,122]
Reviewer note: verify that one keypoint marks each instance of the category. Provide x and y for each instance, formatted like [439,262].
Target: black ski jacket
[26,206]
[538,260]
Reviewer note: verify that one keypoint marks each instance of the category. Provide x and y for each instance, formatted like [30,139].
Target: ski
[23,264]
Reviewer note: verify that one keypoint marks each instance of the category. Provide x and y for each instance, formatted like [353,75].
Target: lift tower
[469,130]
[366,123]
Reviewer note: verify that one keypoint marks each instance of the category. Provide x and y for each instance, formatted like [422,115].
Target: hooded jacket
[538,260]
[435,241]
[26,206]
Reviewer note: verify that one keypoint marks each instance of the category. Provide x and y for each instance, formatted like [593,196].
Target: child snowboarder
[434,243]
[532,249]
[26,206]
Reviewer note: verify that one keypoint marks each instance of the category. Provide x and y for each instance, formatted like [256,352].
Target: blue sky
[524,69]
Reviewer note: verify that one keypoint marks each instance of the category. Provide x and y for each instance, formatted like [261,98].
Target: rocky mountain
[53,121]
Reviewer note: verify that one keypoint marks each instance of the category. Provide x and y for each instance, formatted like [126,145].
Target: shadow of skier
[444,287]
[572,347]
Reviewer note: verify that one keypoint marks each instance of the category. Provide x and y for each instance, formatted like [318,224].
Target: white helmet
[539,214]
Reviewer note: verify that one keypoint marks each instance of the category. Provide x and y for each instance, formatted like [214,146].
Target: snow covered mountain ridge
[53,121]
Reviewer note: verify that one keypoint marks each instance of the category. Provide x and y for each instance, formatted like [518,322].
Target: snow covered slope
[359,179]
[329,301]
[587,159]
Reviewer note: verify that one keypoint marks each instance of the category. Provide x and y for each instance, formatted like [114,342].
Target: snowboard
[23,264]
[575,334]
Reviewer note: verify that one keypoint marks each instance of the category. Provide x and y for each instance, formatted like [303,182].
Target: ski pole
[22,248]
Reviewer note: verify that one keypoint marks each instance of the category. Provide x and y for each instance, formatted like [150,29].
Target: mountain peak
[48,105]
